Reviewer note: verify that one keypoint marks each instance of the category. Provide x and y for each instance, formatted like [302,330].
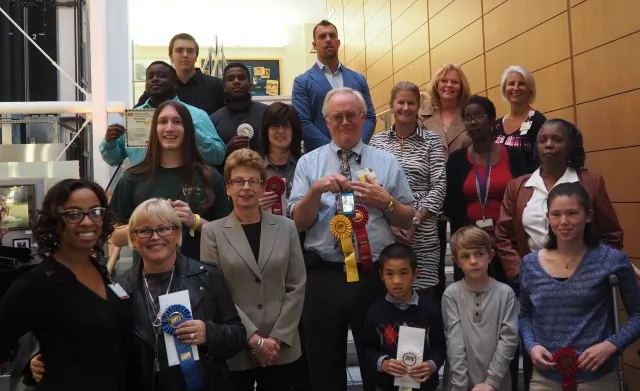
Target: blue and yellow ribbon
[173,317]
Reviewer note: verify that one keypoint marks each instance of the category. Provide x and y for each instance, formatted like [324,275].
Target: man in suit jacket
[310,88]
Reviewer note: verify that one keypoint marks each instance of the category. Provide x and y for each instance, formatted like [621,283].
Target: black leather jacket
[211,302]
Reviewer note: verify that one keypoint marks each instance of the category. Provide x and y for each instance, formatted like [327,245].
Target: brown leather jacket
[511,238]
[453,138]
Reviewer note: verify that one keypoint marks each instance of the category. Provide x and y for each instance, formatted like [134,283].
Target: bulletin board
[264,75]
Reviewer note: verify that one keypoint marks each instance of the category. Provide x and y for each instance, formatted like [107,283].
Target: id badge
[118,290]
[485,224]
[367,172]
[348,204]
[524,128]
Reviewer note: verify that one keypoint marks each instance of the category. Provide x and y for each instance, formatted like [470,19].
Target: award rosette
[245,130]
[340,227]
[359,222]
[277,185]
[567,365]
[173,317]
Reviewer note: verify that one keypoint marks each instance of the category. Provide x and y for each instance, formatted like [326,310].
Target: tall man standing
[324,182]
[310,88]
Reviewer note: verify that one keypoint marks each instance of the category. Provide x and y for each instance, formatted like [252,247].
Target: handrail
[379,115]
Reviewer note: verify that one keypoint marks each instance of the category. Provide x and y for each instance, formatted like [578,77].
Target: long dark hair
[590,236]
[577,155]
[278,114]
[193,163]
[49,222]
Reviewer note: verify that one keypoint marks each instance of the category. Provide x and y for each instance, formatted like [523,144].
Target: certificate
[138,124]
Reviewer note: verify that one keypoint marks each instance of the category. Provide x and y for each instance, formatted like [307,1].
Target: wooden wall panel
[632,375]
[608,70]
[474,70]
[509,20]
[414,46]
[371,7]
[380,94]
[359,62]
[399,6]
[351,9]
[628,216]
[379,23]
[573,3]
[490,5]
[379,47]
[410,21]
[418,72]
[454,18]
[596,22]
[618,167]
[435,6]
[549,41]
[355,26]
[381,70]
[460,48]
[502,107]
[355,46]
[610,122]
[554,85]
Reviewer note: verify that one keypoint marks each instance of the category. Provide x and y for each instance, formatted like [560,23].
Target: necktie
[345,170]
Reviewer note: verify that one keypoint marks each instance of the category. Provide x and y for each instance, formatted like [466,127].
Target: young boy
[480,318]
[401,307]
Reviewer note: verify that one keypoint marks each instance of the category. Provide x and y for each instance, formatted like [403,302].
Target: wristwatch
[391,205]
[416,221]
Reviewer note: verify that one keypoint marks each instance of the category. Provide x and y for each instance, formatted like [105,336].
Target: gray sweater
[482,335]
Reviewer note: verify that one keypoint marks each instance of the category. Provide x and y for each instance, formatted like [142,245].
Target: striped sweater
[578,313]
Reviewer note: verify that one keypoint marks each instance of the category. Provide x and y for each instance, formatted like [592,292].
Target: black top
[202,91]
[458,167]
[133,189]
[379,336]
[81,335]
[525,142]
[252,232]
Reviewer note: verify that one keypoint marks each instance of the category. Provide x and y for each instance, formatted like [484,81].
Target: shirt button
[201,288]
[477,295]
[477,304]
[477,314]
[258,281]
[201,267]
[259,306]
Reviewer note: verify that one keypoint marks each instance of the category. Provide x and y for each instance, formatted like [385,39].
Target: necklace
[566,264]
[402,140]
[281,168]
[156,322]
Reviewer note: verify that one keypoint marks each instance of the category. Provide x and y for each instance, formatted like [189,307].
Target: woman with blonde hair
[442,113]
[421,155]
[520,127]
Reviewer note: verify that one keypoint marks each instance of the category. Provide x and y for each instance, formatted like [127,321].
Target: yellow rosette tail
[341,228]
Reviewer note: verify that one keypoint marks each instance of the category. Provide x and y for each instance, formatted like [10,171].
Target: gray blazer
[268,293]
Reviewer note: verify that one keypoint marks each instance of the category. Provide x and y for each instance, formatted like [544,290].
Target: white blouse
[534,216]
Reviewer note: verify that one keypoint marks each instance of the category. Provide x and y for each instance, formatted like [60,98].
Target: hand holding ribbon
[541,357]
[268,199]
[567,365]
[192,332]
[278,186]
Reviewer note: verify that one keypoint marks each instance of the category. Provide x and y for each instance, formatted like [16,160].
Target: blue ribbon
[482,184]
[173,317]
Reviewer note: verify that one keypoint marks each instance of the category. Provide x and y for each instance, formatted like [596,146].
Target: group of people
[283,252]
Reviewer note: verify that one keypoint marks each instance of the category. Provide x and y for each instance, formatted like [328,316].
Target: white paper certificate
[165,301]
[138,124]
[410,351]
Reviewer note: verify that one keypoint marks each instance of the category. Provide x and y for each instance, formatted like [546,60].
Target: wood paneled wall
[584,55]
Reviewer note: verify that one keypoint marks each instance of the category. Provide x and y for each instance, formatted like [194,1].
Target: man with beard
[239,122]
[161,80]
[310,88]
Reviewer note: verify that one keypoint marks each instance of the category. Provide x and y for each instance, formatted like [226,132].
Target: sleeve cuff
[380,361]
[495,383]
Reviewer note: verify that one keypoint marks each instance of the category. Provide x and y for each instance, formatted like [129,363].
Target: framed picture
[17,206]
[264,75]
[22,243]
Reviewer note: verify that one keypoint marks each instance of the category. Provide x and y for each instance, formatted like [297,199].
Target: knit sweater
[379,337]
[578,313]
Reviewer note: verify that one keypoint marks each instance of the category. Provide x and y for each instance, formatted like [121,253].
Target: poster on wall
[264,75]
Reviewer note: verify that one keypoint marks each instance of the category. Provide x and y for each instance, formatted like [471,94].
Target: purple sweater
[578,313]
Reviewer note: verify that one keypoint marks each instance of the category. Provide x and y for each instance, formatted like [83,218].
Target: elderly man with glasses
[345,196]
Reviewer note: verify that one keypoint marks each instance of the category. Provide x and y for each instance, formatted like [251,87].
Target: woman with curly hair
[68,300]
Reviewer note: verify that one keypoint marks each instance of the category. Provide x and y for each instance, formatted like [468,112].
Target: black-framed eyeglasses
[472,118]
[164,231]
[240,182]
[75,216]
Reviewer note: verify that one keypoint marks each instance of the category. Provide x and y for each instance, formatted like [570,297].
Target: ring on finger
[193,335]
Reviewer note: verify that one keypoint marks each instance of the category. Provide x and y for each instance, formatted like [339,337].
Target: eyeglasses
[476,118]
[146,233]
[338,119]
[75,216]
[240,182]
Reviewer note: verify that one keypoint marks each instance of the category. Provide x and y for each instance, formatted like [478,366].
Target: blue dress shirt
[325,161]
[209,144]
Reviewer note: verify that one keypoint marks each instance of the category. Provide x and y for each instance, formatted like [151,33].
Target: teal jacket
[210,145]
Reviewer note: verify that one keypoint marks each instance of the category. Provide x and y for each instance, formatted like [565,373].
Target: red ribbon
[277,185]
[567,365]
[359,222]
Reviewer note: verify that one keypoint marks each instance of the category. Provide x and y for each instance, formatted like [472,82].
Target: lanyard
[156,321]
[482,187]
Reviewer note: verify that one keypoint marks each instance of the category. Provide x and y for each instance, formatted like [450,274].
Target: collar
[484,290]
[392,131]
[358,149]
[195,78]
[292,160]
[323,66]
[239,106]
[403,305]
[570,176]
[147,104]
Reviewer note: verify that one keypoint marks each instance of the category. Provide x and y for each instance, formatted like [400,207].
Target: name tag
[118,290]
[366,172]
[524,128]
[485,224]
